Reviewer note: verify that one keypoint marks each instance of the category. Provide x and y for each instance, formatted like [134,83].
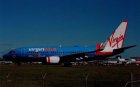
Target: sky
[67,22]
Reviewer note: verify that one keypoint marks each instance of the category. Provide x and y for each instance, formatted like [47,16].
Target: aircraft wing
[72,57]
[120,50]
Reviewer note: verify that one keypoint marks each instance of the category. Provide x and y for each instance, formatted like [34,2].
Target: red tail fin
[116,39]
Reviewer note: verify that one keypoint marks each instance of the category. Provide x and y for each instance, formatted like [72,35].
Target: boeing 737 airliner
[112,46]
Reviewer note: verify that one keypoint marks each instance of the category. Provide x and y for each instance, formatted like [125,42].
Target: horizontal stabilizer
[116,51]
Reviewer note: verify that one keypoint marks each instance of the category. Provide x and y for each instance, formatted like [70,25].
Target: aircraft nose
[6,57]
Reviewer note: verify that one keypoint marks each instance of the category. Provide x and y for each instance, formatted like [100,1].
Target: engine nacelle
[53,59]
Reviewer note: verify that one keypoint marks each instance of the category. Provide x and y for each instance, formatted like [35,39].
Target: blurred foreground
[33,75]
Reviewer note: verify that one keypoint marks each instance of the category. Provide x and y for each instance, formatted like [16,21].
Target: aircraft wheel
[118,56]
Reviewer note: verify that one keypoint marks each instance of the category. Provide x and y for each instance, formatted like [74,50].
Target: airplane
[57,55]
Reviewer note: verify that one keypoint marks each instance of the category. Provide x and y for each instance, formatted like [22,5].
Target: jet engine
[53,59]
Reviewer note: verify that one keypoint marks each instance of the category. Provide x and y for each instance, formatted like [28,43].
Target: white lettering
[36,49]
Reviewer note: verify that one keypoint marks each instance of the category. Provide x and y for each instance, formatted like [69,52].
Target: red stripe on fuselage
[101,53]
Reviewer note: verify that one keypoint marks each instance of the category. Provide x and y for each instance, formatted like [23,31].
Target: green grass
[58,76]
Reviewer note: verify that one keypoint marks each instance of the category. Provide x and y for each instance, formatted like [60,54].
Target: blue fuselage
[38,53]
